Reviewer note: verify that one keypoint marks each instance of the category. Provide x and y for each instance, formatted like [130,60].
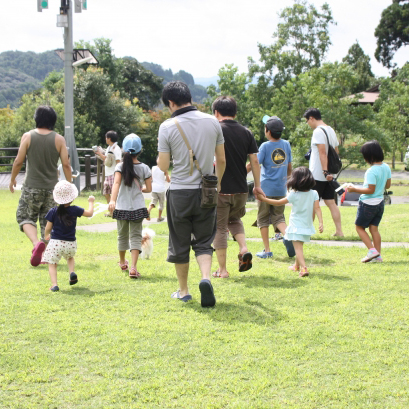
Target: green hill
[22,72]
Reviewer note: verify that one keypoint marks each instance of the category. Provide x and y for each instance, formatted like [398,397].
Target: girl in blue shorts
[371,202]
[305,205]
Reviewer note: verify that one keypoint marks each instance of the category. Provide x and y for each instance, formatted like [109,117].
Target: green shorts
[33,206]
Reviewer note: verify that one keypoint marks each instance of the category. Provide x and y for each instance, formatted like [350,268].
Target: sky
[197,36]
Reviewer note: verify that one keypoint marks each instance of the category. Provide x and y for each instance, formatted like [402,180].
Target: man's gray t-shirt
[203,132]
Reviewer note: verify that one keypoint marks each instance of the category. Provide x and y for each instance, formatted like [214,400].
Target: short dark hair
[275,135]
[45,117]
[112,135]
[177,92]
[312,112]
[372,151]
[301,179]
[226,106]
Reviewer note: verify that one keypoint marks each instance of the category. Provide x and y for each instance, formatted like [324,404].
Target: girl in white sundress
[127,203]
[305,205]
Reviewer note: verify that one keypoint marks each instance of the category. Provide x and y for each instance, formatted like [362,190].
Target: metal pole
[69,94]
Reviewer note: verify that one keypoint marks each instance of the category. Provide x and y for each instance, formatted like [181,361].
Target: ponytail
[128,171]
[63,215]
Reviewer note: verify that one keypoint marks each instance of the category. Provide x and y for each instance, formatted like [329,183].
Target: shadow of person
[83,291]
[247,310]
[268,281]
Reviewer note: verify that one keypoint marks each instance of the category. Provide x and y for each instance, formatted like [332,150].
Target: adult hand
[329,178]
[258,191]
[12,185]
[111,206]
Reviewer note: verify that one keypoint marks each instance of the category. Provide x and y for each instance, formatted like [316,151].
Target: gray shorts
[158,197]
[189,225]
[33,205]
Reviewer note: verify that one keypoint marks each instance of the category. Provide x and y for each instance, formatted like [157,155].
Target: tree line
[289,76]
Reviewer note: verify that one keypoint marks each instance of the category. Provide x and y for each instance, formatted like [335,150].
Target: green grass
[337,339]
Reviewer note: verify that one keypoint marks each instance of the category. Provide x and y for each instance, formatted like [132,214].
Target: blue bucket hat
[132,143]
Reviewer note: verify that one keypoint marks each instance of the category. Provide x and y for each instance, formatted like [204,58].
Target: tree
[393,110]
[360,62]
[301,42]
[392,31]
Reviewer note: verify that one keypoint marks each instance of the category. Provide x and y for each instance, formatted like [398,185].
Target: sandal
[294,268]
[304,272]
[133,273]
[245,261]
[124,266]
[217,274]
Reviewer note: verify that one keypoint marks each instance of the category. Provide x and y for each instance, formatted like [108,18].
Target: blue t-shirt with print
[274,158]
[63,231]
[376,175]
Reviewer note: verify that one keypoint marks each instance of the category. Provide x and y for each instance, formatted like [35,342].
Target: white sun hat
[65,192]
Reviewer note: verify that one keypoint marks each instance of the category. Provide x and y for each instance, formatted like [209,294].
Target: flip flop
[217,274]
[37,253]
[207,295]
[245,261]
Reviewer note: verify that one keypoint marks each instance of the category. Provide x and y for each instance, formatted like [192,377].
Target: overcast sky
[198,36]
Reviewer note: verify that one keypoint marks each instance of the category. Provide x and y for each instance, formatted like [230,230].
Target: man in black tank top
[42,147]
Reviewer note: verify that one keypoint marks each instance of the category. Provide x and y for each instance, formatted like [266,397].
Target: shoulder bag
[209,182]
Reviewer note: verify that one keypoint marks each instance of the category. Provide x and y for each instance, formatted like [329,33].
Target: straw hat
[65,192]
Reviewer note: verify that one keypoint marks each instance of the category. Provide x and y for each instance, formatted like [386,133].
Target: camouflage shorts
[33,205]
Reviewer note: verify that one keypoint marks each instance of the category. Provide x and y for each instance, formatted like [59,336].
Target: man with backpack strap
[319,163]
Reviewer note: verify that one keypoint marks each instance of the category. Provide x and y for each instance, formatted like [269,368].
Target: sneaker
[378,259]
[277,236]
[186,298]
[73,278]
[54,289]
[289,247]
[372,253]
[264,254]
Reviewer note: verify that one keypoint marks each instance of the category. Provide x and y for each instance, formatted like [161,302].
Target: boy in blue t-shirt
[275,160]
[371,202]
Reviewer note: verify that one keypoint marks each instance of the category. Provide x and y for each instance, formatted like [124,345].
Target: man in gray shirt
[190,226]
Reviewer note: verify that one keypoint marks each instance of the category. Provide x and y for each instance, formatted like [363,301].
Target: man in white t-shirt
[111,139]
[159,180]
[319,163]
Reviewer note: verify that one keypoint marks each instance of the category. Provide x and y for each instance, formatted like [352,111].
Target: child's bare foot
[338,235]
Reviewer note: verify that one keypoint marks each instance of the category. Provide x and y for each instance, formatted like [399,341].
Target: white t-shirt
[158,180]
[61,173]
[318,138]
[110,170]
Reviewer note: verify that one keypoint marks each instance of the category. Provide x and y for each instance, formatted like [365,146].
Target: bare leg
[182,271]
[336,216]
[241,241]
[122,254]
[299,253]
[364,236]
[205,265]
[108,198]
[31,233]
[160,213]
[151,206]
[376,237]
[52,270]
[282,227]
[221,259]
[71,265]
[264,236]
[135,255]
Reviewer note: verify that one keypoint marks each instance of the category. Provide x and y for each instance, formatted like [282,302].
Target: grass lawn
[338,339]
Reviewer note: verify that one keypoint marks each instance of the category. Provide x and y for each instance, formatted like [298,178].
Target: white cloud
[198,36]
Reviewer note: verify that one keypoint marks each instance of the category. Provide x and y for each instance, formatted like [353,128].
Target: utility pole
[69,91]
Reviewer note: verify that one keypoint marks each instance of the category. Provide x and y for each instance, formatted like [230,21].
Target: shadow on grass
[268,281]
[248,311]
[330,277]
[83,291]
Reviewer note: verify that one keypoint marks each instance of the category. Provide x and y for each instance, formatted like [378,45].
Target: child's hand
[91,199]
[111,206]
[260,197]
[321,227]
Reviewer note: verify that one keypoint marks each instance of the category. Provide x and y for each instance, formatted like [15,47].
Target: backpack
[334,162]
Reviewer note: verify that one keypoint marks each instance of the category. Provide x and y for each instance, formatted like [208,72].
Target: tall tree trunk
[393,160]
